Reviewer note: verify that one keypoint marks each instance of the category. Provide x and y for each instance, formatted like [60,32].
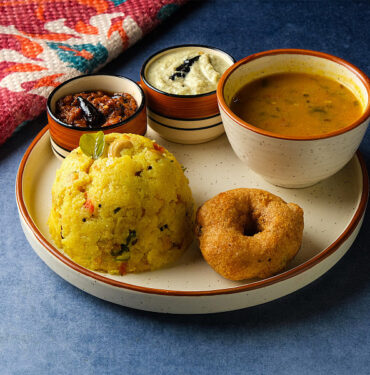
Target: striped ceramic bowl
[185,119]
[65,138]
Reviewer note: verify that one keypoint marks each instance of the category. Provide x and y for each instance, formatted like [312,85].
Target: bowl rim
[285,275]
[142,75]
[102,128]
[293,51]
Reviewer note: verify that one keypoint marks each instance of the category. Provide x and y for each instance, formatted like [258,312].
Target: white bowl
[288,161]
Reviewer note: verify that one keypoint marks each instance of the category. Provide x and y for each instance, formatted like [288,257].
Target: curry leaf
[99,145]
[92,144]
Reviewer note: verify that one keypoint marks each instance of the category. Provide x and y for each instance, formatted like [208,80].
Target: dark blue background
[48,326]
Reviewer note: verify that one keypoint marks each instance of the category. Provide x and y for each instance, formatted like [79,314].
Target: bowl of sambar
[294,116]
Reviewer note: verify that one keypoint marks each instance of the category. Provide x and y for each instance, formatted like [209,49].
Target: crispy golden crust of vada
[248,233]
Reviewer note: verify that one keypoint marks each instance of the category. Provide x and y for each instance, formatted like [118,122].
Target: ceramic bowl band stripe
[185,131]
[182,118]
[152,120]
[183,124]
[177,107]
[70,139]
[59,152]
[186,136]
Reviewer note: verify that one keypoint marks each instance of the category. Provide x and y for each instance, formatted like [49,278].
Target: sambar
[296,104]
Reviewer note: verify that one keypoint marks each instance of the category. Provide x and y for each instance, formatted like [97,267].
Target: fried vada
[248,233]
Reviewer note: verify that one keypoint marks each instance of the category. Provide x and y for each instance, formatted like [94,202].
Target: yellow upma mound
[130,210]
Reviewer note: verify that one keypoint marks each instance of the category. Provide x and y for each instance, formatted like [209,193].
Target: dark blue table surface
[47,326]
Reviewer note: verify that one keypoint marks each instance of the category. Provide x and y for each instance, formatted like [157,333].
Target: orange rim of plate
[360,74]
[242,288]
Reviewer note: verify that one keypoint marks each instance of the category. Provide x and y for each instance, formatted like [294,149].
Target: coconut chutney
[189,71]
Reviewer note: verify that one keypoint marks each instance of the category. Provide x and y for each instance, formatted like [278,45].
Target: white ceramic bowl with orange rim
[187,119]
[65,137]
[288,161]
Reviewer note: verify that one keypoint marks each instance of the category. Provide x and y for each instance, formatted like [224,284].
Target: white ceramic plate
[333,211]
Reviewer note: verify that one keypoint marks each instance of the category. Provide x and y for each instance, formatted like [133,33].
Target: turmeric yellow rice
[130,210]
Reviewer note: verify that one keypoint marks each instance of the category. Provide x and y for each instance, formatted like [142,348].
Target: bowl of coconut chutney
[180,87]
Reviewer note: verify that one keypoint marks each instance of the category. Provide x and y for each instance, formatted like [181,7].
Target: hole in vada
[251,227]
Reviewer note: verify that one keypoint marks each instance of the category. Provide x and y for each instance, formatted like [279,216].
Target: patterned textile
[45,42]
